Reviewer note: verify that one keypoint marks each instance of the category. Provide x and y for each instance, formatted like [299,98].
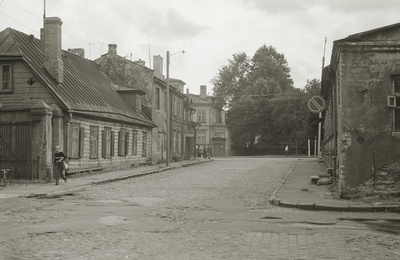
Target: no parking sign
[316,104]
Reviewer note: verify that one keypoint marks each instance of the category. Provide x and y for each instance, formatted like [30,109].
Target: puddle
[111,220]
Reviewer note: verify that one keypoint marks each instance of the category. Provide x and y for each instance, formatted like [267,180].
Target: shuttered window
[144,144]
[106,143]
[76,141]
[134,142]
[94,142]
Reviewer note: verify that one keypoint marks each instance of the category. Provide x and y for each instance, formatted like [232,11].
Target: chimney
[203,91]
[158,66]
[42,34]
[78,51]
[52,48]
[112,49]
[187,91]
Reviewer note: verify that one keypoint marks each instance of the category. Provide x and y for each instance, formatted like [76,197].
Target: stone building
[135,75]
[361,140]
[50,97]
[211,127]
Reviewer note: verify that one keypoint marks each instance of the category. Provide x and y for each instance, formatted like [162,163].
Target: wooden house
[50,97]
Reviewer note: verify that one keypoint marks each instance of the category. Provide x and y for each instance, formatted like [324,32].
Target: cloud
[171,25]
[340,6]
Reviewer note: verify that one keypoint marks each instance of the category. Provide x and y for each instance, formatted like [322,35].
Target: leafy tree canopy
[260,99]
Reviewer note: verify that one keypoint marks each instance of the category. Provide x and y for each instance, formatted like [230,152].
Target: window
[158,98]
[174,142]
[138,102]
[134,142]
[165,101]
[5,78]
[94,142]
[213,116]
[76,141]
[144,144]
[201,116]
[201,137]
[179,142]
[123,142]
[174,105]
[179,107]
[219,134]
[107,143]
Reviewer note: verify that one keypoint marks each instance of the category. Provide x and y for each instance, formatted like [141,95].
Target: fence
[15,148]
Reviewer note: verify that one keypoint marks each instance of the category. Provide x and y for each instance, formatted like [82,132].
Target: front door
[218,149]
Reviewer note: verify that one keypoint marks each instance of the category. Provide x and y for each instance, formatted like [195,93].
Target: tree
[313,87]
[231,80]
[260,99]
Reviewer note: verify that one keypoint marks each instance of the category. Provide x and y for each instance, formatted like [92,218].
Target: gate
[15,148]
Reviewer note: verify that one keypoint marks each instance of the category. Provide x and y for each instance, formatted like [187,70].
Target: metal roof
[86,87]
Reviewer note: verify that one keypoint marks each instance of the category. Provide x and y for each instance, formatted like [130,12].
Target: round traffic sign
[316,104]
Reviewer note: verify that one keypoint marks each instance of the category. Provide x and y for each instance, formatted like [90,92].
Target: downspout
[67,127]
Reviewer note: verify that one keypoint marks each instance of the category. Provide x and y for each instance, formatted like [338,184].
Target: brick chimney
[78,51]
[203,91]
[112,49]
[158,66]
[52,48]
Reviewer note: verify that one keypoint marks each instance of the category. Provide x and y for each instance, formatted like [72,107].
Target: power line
[26,10]
[91,45]
[18,22]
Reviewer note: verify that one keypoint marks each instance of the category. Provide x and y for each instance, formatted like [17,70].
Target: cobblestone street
[216,210]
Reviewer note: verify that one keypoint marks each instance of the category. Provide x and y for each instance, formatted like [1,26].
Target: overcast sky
[210,31]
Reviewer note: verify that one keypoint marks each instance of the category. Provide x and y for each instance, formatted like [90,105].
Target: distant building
[361,140]
[136,76]
[211,127]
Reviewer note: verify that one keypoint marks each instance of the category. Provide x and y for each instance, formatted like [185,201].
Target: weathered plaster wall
[365,143]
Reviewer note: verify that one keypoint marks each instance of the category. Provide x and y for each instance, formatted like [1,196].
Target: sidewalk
[47,190]
[297,191]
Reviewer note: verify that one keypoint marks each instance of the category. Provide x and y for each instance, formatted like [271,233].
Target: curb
[348,208]
[109,180]
[313,206]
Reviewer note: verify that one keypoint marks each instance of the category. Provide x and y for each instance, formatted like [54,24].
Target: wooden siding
[115,160]
[25,95]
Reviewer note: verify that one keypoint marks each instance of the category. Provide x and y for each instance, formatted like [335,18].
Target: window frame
[144,144]
[10,78]
[94,142]
[107,142]
[123,141]
[158,98]
[201,136]
[134,142]
[201,116]
[76,141]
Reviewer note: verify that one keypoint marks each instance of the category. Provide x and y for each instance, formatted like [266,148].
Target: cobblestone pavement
[217,210]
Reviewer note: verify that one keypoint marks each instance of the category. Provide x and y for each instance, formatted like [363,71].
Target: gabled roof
[85,88]
[385,33]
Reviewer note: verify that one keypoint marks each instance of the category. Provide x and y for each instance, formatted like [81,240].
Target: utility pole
[320,113]
[168,130]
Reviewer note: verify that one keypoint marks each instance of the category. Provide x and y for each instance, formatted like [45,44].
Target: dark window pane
[397,84]
[397,119]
